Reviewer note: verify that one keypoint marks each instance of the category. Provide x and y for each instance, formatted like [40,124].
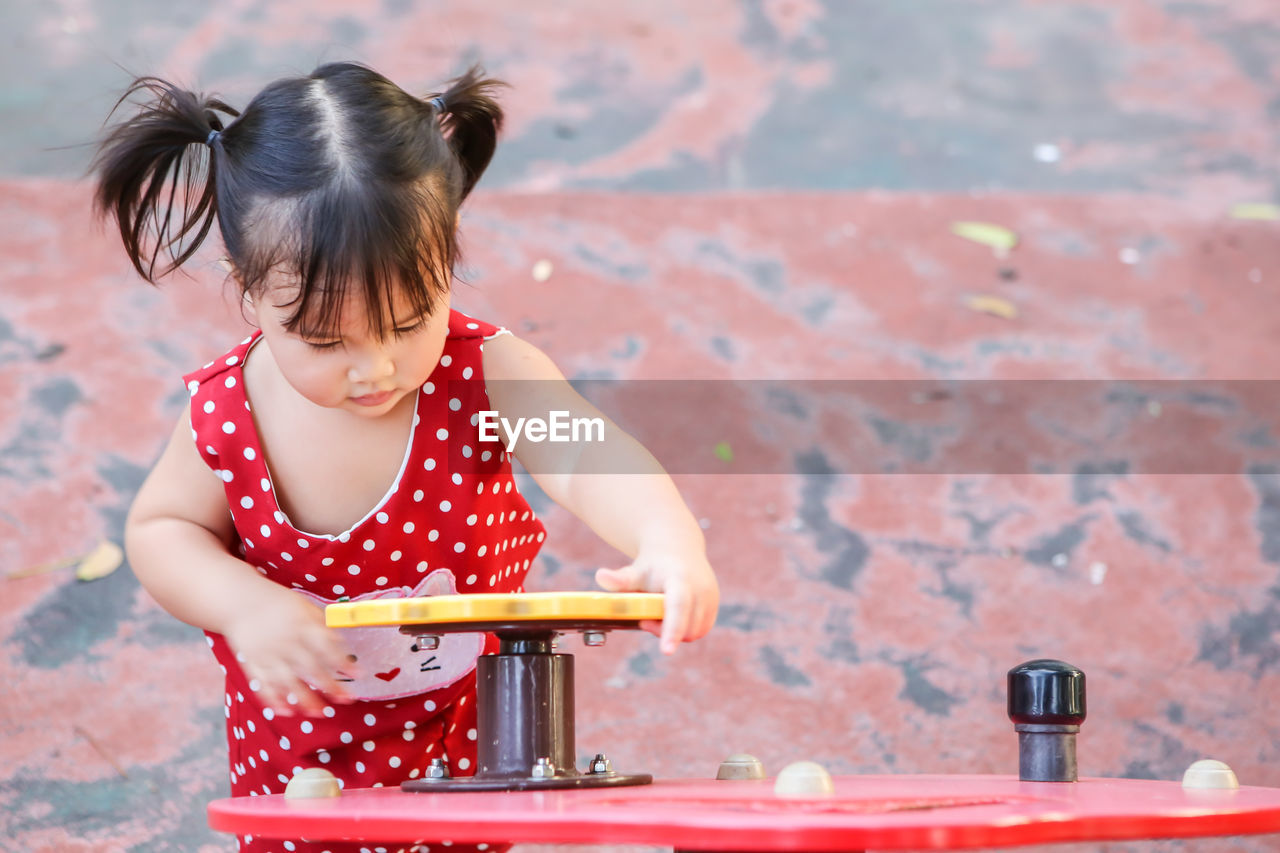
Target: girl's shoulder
[228,361]
[463,327]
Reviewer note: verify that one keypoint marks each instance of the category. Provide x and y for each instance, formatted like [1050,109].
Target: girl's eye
[398,332]
[409,330]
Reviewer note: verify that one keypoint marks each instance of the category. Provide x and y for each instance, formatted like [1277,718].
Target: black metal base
[524,722]
[477,783]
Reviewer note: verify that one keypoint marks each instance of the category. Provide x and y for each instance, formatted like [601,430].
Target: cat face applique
[392,665]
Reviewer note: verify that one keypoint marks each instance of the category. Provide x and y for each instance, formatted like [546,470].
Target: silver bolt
[437,770]
[593,638]
[543,769]
[601,764]
[428,642]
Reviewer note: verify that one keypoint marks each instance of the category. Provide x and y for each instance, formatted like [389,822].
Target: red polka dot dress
[453,521]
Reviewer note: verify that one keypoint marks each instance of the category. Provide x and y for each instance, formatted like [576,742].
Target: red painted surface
[882,812]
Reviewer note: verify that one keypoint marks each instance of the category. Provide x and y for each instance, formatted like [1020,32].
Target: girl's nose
[372,365]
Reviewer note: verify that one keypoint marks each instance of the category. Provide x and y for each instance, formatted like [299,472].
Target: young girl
[329,455]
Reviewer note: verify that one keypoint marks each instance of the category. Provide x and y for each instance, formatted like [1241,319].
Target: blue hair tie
[438,103]
[214,136]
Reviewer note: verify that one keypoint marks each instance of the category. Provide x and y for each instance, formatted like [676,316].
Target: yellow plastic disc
[494,607]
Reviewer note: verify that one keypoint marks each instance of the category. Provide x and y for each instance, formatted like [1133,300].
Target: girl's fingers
[284,689]
[297,693]
[675,619]
[323,682]
[311,702]
[331,660]
[627,579]
[696,620]
[273,696]
[689,607]
[313,677]
[687,616]
[706,617]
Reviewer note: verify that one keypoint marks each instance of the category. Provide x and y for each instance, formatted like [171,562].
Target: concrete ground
[725,190]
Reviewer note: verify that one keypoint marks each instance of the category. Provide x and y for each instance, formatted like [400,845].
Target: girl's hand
[287,653]
[691,595]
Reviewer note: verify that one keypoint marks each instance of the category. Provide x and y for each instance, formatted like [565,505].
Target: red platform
[883,812]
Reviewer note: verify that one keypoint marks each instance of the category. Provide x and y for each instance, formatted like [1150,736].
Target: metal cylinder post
[1047,753]
[524,713]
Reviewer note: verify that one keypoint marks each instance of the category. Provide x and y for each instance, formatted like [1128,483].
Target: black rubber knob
[1046,692]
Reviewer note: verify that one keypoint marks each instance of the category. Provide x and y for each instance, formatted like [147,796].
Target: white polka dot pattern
[431,518]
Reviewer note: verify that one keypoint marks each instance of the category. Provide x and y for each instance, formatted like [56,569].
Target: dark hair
[335,178]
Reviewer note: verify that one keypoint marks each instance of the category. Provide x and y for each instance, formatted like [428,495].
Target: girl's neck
[328,466]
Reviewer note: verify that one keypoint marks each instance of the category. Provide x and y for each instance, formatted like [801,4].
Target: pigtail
[147,164]
[472,119]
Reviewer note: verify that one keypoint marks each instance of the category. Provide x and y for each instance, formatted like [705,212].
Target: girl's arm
[177,536]
[639,511]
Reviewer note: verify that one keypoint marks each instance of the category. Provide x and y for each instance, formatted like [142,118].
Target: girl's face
[354,371]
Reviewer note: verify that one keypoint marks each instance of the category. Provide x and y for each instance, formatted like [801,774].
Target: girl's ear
[250,309]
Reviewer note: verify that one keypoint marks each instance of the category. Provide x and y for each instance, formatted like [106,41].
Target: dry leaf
[996,236]
[100,562]
[43,568]
[994,305]
[97,747]
[1255,210]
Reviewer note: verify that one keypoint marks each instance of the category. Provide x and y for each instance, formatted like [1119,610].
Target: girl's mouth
[376,399]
